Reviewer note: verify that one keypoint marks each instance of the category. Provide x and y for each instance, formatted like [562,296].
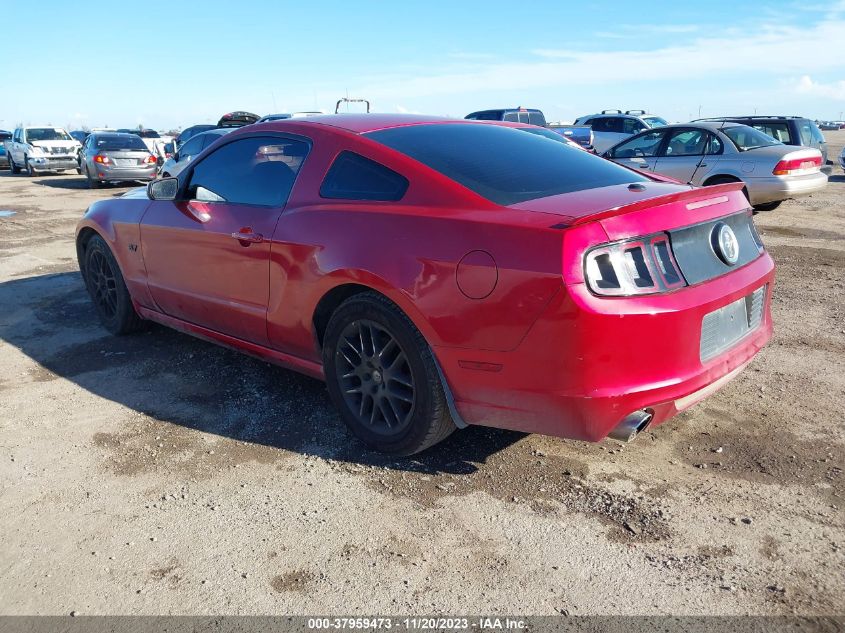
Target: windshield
[117,142]
[746,138]
[46,134]
[502,164]
[655,121]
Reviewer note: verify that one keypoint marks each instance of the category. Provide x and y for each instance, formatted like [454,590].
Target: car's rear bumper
[774,188]
[589,362]
[123,173]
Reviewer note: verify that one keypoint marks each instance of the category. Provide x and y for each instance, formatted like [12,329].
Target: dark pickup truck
[581,134]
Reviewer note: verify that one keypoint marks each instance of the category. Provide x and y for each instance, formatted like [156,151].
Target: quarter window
[353,177]
[255,171]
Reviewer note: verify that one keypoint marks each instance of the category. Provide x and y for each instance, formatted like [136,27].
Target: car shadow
[181,380]
[836,178]
[80,182]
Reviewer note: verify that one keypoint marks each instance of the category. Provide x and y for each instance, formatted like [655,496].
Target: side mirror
[164,189]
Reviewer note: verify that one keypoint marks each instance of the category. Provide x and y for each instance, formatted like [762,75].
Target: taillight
[635,267]
[150,160]
[103,160]
[798,166]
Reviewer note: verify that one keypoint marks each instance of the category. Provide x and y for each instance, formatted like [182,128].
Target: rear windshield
[116,143]
[503,164]
[47,134]
[745,137]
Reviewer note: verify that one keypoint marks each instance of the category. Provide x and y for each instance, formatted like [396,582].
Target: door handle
[249,237]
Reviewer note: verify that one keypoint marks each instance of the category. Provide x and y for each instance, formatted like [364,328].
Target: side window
[806,133]
[686,143]
[256,171]
[615,124]
[17,136]
[537,118]
[353,177]
[598,124]
[639,146]
[511,116]
[191,148]
[778,131]
[632,126]
[715,145]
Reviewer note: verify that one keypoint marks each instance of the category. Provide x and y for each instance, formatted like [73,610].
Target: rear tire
[382,377]
[93,183]
[107,289]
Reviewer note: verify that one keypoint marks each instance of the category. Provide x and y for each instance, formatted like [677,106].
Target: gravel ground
[161,474]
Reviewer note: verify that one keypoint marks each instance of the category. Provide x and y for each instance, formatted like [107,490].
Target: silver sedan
[111,157]
[177,161]
[713,153]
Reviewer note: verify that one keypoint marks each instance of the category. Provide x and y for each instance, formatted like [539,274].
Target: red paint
[538,352]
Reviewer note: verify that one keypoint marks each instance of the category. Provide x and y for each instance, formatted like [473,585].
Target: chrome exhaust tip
[631,426]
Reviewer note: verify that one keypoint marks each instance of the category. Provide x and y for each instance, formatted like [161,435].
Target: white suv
[44,148]
[612,126]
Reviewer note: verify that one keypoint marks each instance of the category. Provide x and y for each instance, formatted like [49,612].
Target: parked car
[189,132]
[237,119]
[5,135]
[36,149]
[709,153]
[612,126]
[507,281]
[828,125]
[294,115]
[179,159]
[115,156]
[4,157]
[273,117]
[514,115]
[579,134]
[789,130]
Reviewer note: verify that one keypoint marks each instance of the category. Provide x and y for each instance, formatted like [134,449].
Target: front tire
[12,167]
[107,289]
[382,377]
[30,170]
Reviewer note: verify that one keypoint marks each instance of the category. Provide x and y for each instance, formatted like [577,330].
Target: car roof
[753,116]
[363,123]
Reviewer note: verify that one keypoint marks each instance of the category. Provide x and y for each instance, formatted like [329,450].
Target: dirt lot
[161,474]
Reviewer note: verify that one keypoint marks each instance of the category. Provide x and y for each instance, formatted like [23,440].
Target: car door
[682,156]
[16,147]
[207,253]
[639,152]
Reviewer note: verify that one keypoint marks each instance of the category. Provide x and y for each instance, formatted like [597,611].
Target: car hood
[581,204]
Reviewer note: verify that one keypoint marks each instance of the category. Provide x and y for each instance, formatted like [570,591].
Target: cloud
[756,54]
[833,90]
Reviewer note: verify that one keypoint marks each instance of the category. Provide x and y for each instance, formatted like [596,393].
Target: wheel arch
[332,299]
[726,177]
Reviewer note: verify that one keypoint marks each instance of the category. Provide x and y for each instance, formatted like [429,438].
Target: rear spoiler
[697,198]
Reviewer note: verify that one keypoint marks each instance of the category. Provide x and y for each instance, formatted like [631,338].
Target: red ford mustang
[439,273]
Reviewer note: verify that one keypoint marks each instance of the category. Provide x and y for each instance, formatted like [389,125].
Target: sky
[166,64]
